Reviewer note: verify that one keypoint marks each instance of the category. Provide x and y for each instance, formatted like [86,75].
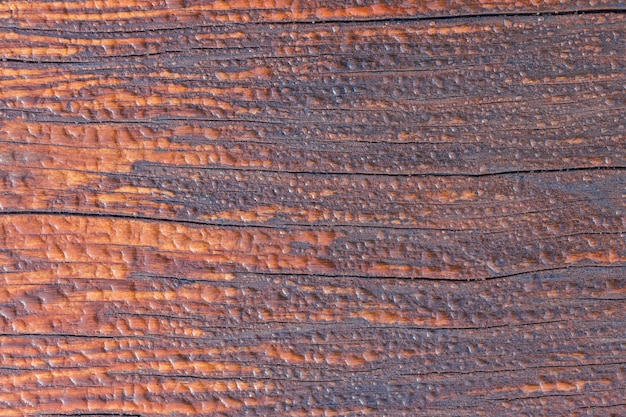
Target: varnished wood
[312,208]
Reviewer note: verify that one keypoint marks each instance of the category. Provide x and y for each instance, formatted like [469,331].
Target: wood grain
[312,208]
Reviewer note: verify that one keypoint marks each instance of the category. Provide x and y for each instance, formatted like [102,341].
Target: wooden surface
[285,208]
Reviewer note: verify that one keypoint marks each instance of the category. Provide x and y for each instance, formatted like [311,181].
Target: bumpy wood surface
[320,208]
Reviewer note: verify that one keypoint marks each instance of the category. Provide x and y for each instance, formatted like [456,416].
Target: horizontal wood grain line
[75,241]
[376,370]
[519,208]
[420,278]
[408,175]
[285,226]
[197,14]
[399,19]
[223,224]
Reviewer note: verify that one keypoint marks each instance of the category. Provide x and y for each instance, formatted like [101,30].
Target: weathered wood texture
[313,208]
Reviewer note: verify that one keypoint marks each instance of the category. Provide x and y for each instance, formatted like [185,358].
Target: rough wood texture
[313,208]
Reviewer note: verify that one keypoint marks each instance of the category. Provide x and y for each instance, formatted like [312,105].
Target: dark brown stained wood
[362,208]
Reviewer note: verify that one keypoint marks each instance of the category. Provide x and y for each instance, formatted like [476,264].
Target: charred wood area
[321,208]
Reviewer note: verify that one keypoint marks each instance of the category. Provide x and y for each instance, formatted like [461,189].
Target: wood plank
[291,345]
[312,208]
[465,97]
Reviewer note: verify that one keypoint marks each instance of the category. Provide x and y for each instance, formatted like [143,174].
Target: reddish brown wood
[312,208]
